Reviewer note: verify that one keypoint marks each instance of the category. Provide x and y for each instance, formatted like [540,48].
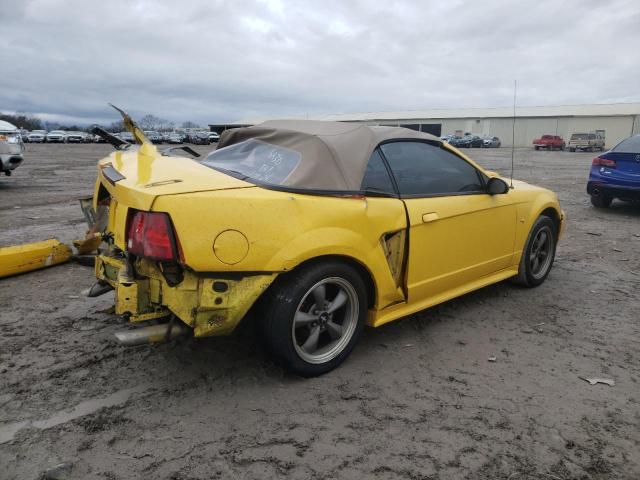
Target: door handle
[430,217]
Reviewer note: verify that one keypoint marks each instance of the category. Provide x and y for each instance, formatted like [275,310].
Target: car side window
[376,176]
[422,169]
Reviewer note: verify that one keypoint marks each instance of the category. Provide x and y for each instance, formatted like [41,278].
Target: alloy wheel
[541,253]
[325,320]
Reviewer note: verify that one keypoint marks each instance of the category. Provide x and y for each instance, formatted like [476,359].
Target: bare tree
[22,120]
[116,127]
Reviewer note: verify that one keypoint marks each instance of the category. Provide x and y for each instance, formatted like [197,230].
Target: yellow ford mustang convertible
[317,228]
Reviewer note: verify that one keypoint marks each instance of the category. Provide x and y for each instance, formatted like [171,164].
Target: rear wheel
[538,254]
[314,317]
[601,201]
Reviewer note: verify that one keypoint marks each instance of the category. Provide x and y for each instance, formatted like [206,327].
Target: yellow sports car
[318,228]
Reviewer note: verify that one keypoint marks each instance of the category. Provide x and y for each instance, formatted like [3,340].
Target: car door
[457,232]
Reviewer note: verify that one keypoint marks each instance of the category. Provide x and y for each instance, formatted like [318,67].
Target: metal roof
[7,127]
[593,110]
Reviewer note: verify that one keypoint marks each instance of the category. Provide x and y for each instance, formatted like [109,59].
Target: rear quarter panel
[285,229]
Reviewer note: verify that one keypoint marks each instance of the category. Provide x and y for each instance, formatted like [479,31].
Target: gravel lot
[418,398]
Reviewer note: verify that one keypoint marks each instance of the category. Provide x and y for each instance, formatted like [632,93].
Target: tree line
[147,122]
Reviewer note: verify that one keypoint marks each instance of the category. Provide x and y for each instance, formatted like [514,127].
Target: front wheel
[314,317]
[538,254]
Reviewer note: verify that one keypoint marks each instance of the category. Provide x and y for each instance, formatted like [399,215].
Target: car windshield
[630,145]
[580,136]
[255,160]
[547,137]
[57,132]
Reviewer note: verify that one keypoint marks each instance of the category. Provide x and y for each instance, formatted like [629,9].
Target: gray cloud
[216,61]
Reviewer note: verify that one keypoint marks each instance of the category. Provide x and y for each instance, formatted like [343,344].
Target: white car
[11,148]
[57,136]
[491,142]
[214,137]
[37,136]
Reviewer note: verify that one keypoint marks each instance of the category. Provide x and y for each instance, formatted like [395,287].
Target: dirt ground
[417,399]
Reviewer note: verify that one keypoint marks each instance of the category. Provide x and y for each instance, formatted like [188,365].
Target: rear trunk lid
[135,178]
[627,166]
[138,176]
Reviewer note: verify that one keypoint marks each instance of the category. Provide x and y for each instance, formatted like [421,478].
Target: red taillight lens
[150,235]
[604,162]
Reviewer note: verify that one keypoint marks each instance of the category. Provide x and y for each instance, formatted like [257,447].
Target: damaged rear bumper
[211,304]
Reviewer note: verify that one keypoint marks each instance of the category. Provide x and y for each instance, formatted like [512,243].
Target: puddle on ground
[9,430]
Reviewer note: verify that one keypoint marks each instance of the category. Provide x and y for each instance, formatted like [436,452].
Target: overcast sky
[216,61]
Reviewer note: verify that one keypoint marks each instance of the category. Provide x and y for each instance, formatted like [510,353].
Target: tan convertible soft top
[334,155]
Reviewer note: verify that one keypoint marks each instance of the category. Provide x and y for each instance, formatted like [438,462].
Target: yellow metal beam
[32,256]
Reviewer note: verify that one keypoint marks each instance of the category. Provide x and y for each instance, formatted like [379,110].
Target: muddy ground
[418,398]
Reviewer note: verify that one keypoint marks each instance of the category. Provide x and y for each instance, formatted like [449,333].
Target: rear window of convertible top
[255,160]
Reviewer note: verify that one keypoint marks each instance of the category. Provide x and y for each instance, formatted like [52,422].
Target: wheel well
[552,213]
[364,273]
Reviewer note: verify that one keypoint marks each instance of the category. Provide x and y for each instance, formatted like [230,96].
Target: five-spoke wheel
[325,320]
[315,316]
[539,253]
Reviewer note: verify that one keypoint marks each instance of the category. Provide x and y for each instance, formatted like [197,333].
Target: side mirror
[497,186]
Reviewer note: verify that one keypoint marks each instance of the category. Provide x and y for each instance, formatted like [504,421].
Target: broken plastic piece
[89,244]
[32,256]
[593,381]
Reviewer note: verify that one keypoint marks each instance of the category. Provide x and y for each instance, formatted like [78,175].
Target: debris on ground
[25,258]
[594,381]
[32,256]
[492,359]
[89,244]
[59,472]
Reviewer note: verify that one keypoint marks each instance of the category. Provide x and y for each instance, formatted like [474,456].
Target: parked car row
[578,141]
[469,140]
[63,136]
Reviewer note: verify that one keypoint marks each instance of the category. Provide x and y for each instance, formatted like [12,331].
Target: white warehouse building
[617,121]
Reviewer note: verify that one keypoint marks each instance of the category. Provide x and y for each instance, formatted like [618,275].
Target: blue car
[616,174]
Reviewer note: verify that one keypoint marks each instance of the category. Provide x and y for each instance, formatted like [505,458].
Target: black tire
[528,276]
[572,149]
[288,298]
[601,201]
[537,148]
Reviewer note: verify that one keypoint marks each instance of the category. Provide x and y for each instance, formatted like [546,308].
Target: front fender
[529,207]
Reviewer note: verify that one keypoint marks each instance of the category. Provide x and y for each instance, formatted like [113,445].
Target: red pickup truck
[550,142]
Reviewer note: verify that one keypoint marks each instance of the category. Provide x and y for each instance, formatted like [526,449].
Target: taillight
[604,162]
[150,235]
